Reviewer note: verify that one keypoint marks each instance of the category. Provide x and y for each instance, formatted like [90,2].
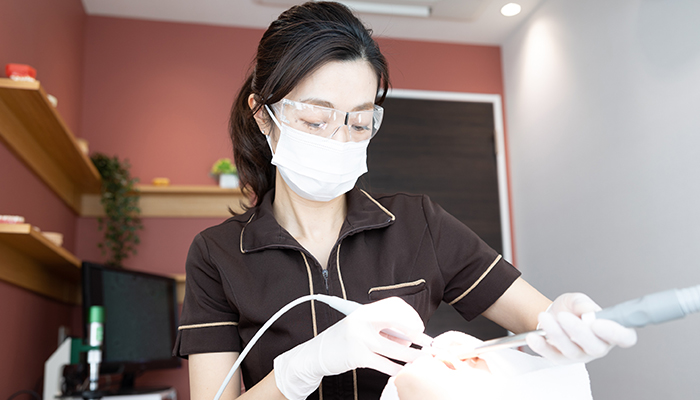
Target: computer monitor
[140,311]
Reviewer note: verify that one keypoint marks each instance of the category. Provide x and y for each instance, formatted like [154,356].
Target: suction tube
[654,308]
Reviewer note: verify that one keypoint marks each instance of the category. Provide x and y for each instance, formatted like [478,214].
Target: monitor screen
[140,311]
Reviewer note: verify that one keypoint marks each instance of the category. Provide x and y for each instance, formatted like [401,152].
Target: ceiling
[457,21]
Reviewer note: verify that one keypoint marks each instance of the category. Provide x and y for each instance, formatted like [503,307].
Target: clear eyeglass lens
[325,122]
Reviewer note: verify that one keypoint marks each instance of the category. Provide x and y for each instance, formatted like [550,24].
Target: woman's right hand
[356,341]
[570,339]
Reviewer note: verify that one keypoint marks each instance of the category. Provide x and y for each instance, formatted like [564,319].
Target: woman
[300,127]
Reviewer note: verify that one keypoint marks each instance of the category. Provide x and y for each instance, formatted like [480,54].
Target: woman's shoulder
[398,196]
[400,201]
[231,226]
[410,205]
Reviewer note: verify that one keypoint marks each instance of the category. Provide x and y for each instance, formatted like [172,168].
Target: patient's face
[431,378]
[443,374]
[449,345]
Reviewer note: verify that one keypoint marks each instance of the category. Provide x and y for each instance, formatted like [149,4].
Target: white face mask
[317,168]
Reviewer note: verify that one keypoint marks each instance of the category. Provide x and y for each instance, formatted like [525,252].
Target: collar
[263,232]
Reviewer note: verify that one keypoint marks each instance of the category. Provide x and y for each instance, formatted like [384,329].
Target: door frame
[499,138]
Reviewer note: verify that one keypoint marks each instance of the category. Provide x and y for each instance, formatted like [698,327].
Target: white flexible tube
[342,305]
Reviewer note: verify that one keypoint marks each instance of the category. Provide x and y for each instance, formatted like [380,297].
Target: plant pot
[228,181]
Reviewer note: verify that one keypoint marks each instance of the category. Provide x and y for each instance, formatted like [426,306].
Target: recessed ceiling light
[387,8]
[511,9]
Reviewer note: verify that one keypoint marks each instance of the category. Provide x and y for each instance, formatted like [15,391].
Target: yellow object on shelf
[161,182]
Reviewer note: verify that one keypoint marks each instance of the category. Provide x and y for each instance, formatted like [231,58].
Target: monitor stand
[136,394]
[128,387]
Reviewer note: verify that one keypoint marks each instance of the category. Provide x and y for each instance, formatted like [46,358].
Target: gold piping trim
[397,286]
[311,291]
[393,218]
[313,312]
[209,325]
[345,297]
[340,276]
[466,292]
[354,382]
[243,230]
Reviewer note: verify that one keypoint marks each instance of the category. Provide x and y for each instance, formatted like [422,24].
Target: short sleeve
[475,275]
[209,321]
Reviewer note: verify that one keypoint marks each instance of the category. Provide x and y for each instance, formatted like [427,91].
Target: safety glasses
[326,122]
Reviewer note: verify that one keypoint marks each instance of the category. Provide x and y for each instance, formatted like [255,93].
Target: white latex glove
[354,342]
[569,339]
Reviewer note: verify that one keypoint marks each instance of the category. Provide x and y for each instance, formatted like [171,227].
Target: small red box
[20,71]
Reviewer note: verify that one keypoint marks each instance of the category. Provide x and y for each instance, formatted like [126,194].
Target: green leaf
[120,202]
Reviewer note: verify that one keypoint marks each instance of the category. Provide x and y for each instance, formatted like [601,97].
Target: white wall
[603,113]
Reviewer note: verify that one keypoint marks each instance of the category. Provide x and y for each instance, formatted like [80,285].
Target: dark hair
[301,40]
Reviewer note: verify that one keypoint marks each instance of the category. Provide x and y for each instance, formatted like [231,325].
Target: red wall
[443,66]
[47,35]
[159,94]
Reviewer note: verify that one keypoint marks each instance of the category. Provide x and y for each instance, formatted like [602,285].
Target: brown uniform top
[239,273]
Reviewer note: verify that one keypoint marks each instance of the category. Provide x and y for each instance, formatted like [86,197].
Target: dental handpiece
[655,308]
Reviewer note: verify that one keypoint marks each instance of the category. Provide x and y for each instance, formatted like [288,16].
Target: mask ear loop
[269,135]
[272,115]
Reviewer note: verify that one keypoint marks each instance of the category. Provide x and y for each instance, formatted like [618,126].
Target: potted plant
[120,201]
[226,172]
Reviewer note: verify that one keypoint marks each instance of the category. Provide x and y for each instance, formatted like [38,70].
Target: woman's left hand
[570,339]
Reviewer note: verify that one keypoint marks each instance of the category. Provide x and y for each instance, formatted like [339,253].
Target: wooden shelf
[29,260]
[177,201]
[32,129]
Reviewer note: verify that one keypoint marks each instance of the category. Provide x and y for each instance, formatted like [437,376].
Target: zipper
[325,279]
